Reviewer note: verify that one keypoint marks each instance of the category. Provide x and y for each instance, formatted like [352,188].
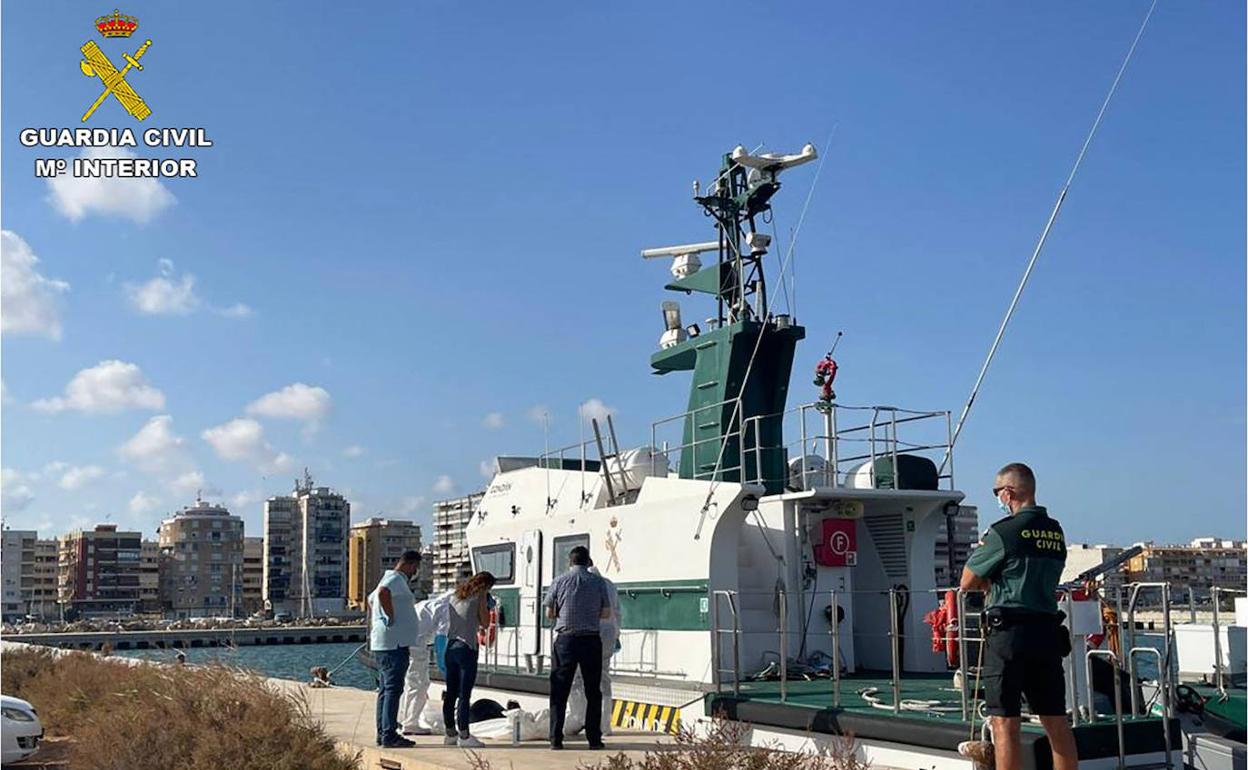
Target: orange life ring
[486,636]
[952,628]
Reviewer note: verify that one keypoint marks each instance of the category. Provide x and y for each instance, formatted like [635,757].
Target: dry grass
[724,746]
[172,718]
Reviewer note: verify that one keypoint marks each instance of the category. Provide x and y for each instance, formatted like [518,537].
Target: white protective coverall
[609,631]
[431,620]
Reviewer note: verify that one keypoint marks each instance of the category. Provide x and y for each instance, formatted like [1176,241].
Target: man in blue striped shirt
[578,601]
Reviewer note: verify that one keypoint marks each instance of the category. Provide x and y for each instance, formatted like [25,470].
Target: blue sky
[420,222]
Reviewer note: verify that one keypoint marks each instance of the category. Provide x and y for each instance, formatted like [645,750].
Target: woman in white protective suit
[431,620]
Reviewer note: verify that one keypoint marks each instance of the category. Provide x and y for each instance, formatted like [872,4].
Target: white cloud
[136,199]
[353,451]
[411,504]
[109,386]
[28,300]
[15,495]
[539,413]
[444,485]
[487,468]
[308,403]
[78,477]
[156,448]
[594,409]
[237,310]
[244,499]
[143,502]
[170,294]
[191,481]
[493,420]
[242,440]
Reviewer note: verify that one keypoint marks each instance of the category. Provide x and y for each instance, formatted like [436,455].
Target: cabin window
[563,547]
[499,560]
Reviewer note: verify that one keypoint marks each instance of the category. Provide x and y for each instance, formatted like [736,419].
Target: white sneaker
[417,731]
[470,742]
[450,740]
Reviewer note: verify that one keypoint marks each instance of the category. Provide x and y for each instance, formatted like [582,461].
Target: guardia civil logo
[96,64]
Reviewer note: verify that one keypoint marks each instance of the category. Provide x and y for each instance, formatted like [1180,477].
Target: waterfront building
[305,550]
[965,536]
[41,597]
[149,577]
[253,574]
[450,519]
[375,545]
[1199,566]
[201,551]
[17,555]
[99,572]
[1081,557]
[423,586]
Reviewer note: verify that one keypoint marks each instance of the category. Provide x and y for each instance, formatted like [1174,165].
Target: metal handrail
[1163,676]
[1113,659]
[716,631]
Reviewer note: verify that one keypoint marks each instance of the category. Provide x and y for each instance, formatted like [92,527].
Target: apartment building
[450,520]
[253,574]
[149,577]
[305,550]
[1081,557]
[17,557]
[99,572]
[201,551]
[375,545]
[1199,566]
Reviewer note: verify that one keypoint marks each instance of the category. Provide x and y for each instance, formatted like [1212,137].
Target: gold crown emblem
[116,25]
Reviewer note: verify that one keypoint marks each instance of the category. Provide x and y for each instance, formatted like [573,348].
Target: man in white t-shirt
[393,630]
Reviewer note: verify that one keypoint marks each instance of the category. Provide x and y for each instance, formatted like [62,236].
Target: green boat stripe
[658,605]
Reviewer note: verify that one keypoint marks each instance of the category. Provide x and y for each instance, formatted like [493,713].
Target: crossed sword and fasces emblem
[96,64]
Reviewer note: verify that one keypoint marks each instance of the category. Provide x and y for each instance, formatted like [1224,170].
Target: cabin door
[530,623]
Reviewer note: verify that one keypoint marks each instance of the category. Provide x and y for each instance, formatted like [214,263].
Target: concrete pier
[191,637]
[348,715]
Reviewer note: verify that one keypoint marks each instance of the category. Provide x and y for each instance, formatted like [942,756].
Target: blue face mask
[1004,508]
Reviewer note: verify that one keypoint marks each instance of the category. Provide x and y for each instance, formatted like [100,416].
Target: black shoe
[597,746]
[556,745]
[398,743]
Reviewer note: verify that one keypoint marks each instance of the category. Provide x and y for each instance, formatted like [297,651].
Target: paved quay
[348,713]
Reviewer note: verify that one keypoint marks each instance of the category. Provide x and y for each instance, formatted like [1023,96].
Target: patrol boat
[775,564]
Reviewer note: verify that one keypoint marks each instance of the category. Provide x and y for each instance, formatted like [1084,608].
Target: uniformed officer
[1020,564]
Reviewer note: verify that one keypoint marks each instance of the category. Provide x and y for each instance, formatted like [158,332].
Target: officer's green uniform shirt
[1023,556]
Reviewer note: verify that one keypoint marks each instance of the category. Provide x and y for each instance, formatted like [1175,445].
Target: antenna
[685,261]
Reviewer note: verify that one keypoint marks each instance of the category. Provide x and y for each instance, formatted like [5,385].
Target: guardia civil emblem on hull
[95,63]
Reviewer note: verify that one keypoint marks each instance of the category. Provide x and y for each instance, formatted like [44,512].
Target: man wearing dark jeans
[391,609]
[577,602]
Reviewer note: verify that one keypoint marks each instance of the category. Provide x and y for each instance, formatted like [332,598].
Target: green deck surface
[818,694]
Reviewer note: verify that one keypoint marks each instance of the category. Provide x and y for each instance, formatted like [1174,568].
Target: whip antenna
[1044,234]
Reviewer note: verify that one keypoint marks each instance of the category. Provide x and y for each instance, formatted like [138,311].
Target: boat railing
[830,443]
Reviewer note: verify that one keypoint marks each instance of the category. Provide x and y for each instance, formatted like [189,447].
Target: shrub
[172,718]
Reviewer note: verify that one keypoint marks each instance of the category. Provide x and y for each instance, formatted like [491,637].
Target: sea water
[284,661]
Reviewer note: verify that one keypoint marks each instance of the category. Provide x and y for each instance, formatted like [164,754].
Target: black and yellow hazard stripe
[645,716]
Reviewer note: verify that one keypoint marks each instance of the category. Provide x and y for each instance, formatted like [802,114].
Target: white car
[20,730]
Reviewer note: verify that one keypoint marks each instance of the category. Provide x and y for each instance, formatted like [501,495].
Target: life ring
[486,636]
[952,628]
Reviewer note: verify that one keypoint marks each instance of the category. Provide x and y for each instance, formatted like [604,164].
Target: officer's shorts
[1025,661]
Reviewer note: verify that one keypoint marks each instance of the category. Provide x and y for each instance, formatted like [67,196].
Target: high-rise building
[423,586]
[149,577]
[253,574]
[99,572]
[376,544]
[965,536]
[17,562]
[201,550]
[305,550]
[450,520]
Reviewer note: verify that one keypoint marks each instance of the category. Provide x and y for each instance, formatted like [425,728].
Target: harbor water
[288,661]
